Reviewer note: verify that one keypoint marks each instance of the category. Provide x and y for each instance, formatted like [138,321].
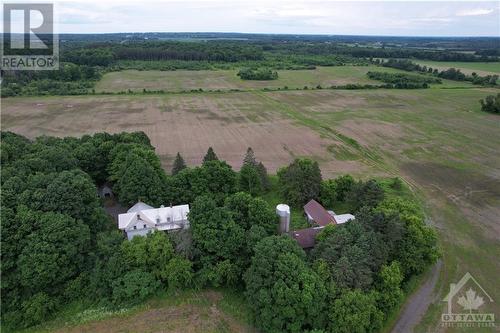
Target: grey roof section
[140,206]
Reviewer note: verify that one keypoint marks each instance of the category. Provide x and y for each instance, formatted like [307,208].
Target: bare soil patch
[371,132]
[188,124]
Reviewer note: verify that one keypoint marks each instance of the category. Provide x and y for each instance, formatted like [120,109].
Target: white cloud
[475,12]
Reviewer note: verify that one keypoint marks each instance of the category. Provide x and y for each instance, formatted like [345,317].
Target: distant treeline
[91,56]
[381,52]
[449,74]
[106,53]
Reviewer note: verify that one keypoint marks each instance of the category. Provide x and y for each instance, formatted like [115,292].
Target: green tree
[418,247]
[53,253]
[389,287]
[37,309]
[343,185]
[264,178]
[491,103]
[328,192]
[368,194]
[300,181]
[140,181]
[216,238]
[68,192]
[210,156]
[355,312]
[178,273]
[216,178]
[109,264]
[134,287]
[248,211]
[149,254]
[250,180]
[284,294]
[179,164]
[352,253]
[249,158]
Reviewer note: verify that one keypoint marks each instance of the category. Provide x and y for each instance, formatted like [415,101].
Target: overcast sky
[416,18]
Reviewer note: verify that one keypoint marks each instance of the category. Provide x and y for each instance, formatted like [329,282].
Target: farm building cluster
[142,219]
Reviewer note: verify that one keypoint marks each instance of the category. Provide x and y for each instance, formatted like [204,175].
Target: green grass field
[437,140]
[212,311]
[183,80]
[481,68]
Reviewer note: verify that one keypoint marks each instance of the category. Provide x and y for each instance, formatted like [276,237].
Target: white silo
[283,212]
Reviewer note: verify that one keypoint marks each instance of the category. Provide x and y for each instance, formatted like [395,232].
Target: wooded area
[59,246]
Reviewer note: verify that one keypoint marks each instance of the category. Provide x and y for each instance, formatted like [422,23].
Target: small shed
[105,191]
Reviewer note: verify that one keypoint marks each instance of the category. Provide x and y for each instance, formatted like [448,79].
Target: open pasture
[183,80]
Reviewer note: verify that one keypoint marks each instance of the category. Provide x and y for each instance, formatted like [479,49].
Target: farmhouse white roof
[139,206]
[153,216]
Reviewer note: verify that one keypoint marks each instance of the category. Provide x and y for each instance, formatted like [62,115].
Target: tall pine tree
[264,179]
[250,158]
[179,164]
[210,155]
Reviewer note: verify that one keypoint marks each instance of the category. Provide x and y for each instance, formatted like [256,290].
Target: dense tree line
[59,246]
[104,54]
[449,74]
[374,52]
[68,79]
[402,80]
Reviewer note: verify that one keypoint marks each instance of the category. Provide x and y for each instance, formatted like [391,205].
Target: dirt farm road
[417,304]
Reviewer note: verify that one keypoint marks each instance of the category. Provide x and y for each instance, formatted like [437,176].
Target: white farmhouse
[142,219]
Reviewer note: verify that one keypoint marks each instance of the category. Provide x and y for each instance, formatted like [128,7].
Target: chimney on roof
[170,205]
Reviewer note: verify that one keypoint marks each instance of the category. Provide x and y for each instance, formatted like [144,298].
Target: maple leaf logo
[470,301]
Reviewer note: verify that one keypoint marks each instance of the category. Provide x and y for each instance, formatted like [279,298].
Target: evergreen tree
[300,181]
[179,164]
[250,158]
[264,179]
[210,156]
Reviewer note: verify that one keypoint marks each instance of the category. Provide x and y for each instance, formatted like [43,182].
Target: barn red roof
[306,237]
[318,213]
